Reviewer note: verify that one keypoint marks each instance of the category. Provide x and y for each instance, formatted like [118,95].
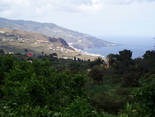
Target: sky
[95,17]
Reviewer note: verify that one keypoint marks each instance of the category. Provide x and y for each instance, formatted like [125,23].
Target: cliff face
[61,41]
[75,39]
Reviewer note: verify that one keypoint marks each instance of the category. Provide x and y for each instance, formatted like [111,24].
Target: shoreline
[86,53]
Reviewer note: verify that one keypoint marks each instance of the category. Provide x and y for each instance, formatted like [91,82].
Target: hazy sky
[96,17]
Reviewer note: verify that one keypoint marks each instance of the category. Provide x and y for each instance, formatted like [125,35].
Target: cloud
[126,2]
[31,8]
[40,7]
[93,6]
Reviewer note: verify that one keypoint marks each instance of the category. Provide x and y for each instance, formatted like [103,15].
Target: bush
[144,102]
[38,89]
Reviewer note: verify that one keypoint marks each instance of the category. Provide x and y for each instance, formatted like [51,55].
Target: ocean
[138,46]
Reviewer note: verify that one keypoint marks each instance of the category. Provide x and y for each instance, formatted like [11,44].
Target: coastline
[86,53]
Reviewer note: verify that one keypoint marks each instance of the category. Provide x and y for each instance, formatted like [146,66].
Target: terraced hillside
[15,41]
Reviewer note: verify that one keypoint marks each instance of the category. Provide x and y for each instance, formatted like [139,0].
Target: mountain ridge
[75,39]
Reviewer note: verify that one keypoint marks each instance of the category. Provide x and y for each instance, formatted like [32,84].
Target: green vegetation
[50,87]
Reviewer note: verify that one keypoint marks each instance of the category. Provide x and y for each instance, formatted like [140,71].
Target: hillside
[16,41]
[75,39]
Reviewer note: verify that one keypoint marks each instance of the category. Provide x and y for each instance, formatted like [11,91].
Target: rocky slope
[75,39]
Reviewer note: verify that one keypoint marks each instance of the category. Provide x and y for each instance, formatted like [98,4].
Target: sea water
[138,46]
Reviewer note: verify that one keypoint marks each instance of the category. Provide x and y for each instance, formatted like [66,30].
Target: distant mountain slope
[16,41]
[75,39]
[29,39]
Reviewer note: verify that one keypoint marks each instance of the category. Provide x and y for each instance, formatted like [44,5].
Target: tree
[112,58]
[131,79]
[121,62]
[96,74]
[37,88]
[125,54]
[79,108]
[149,61]
[144,103]
[2,52]
[98,61]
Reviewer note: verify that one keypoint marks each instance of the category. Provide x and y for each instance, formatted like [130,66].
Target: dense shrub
[51,87]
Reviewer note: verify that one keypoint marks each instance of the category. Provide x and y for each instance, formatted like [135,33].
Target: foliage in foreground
[49,87]
[37,89]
